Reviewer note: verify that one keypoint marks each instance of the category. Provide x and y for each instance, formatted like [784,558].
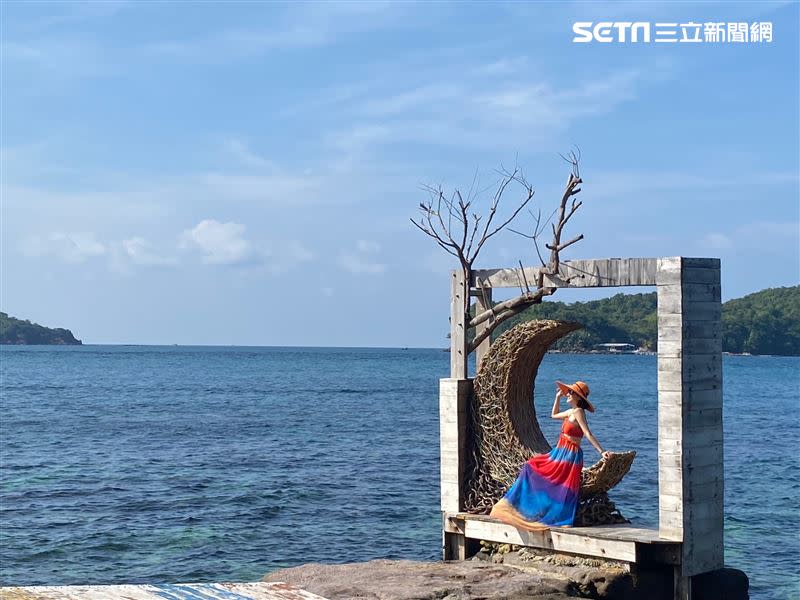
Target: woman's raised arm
[556,405]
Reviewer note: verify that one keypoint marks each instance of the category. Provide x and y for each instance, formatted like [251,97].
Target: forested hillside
[766,322]
[16,331]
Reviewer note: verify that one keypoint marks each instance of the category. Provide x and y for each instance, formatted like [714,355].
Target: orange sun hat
[580,389]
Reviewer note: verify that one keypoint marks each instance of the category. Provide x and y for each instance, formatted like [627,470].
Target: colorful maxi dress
[546,491]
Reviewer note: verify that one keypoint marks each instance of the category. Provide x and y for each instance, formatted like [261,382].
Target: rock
[722,584]
[513,575]
[407,580]
[594,578]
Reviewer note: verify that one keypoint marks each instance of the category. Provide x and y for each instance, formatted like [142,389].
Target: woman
[547,490]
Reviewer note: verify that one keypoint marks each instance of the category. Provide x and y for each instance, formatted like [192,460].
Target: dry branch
[449,221]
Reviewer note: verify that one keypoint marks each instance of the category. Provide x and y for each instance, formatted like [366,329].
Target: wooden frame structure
[690,449]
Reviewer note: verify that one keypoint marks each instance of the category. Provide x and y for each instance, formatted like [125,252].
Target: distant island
[17,331]
[766,322]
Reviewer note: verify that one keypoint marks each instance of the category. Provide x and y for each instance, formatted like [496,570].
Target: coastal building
[616,348]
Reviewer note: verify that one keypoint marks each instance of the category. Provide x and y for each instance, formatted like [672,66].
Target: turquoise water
[169,464]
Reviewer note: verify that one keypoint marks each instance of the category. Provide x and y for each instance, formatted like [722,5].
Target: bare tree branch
[464,233]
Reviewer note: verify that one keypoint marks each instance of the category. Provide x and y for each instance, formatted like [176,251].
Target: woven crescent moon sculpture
[504,431]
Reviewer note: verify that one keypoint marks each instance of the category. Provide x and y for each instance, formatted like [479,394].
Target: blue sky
[201,173]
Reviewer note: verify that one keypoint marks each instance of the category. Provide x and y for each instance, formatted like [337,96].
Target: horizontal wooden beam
[612,542]
[603,272]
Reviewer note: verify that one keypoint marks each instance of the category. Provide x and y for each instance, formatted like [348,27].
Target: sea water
[134,464]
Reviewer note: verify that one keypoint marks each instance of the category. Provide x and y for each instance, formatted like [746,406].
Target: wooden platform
[179,591]
[625,543]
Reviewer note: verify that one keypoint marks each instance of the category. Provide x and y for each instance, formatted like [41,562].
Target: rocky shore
[503,573]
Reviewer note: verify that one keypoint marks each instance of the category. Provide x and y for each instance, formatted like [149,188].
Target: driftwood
[504,431]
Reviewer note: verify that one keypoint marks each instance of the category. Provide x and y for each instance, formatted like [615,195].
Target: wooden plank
[458,326]
[701,292]
[705,551]
[671,417]
[668,271]
[505,277]
[670,320]
[673,532]
[668,300]
[455,547]
[698,417]
[702,329]
[675,474]
[684,437]
[622,532]
[697,565]
[451,465]
[682,585]
[604,272]
[483,302]
[669,471]
[449,495]
[702,490]
[671,487]
[701,311]
[696,401]
[709,527]
[670,524]
[690,347]
[702,456]
[669,503]
[700,276]
[703,346]
[691,381]
[702,400]
[700,263]
[710,509]
[573,542]
[454,396]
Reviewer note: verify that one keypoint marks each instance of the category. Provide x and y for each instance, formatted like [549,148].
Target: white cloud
[220,243]
[242,153]
[304,26]
[141,252]
[226,244]
[361,262]
[480,108]
[67,247]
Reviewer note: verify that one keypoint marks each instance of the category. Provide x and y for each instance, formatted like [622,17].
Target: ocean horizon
[201,463]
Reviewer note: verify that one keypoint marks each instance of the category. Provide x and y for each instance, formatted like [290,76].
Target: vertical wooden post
[682,586]
[483,302]
[454,395]
[670,398]
[703,481]
[459,293]
[690,459]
